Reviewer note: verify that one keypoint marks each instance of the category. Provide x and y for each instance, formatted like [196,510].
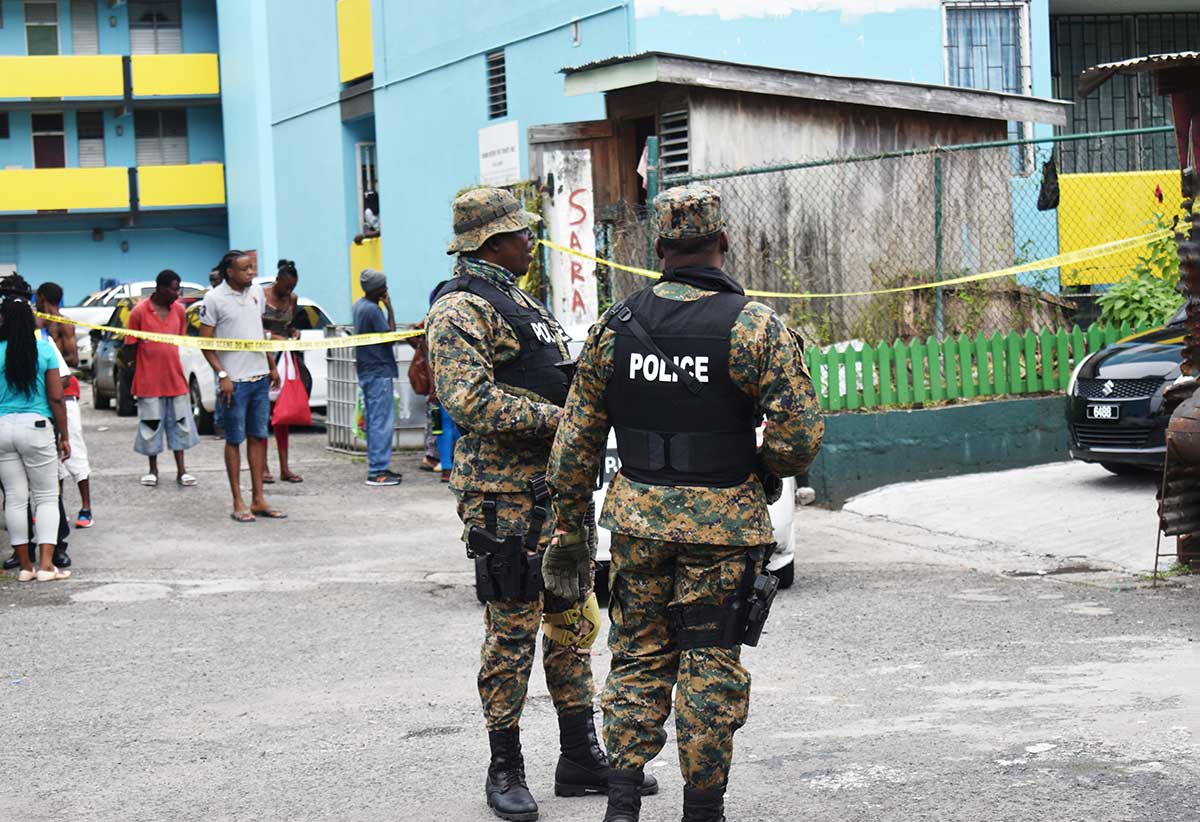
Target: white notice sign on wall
[570,218]
[499,154]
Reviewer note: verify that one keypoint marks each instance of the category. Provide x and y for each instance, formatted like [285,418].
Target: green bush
[1147,296]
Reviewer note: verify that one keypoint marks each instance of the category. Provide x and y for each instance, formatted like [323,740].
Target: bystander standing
[164,406]
[233,310]
[49,301]
[376,375]
[279,320]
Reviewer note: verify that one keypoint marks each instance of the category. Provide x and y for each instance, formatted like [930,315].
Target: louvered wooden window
[673,151]
[161,137]
[85,36]
[155,27]
[497,86]
[89,126]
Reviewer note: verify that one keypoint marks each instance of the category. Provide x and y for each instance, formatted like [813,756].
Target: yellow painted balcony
[37,189]
[175,75]
[61,76]
[355,45]
[107,189]
[192,186]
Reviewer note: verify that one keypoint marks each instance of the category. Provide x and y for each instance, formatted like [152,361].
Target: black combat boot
[703,806]
[507,794]
[582,765]
[624,795]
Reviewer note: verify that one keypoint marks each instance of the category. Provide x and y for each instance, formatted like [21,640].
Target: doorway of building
[49,143]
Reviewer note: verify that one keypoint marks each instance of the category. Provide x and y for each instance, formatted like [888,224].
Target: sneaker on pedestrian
[51,575]
[384,478]
[84,520]
[12,562]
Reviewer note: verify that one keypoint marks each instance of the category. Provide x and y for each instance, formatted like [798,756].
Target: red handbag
[292,406]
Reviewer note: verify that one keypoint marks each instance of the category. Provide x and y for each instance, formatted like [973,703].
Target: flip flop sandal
[270,513]
[242,516]
[292,478]
[150,480]
[268,479]
[187,480]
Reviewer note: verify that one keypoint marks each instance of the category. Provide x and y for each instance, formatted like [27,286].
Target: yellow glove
[575,627]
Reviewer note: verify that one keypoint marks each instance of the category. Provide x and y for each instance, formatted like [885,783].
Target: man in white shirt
[233,310]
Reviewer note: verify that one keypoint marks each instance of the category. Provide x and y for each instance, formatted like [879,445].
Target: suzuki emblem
[1107,388]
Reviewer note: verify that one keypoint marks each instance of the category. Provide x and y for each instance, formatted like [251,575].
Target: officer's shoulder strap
[621,313]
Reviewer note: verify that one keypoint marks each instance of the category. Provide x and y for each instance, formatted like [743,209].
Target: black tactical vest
[666,433]
[539,367]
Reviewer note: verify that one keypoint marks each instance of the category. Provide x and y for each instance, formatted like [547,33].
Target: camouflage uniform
[682,545]
[505,443]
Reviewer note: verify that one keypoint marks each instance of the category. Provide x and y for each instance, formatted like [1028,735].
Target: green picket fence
[911,373]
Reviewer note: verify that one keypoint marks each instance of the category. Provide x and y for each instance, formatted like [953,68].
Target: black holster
[739,620]
[509,568]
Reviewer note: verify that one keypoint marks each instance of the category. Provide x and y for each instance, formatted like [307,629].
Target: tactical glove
[566,560]
[772,483]
[575,627]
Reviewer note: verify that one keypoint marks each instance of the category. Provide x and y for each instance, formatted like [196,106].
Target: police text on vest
[543,333]
[652,368]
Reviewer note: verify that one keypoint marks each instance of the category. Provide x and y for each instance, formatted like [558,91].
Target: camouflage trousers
[511,632]
[712,689]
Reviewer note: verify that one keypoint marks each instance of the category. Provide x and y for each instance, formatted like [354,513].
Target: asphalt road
[322,668]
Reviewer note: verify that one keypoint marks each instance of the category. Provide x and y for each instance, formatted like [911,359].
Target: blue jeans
[250,412]
[447,439]
[379,412]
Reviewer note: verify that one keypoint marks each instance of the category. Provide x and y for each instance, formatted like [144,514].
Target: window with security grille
[497,86]
[1078,42]
[41,27]
[155,27]
[987,47]
[674,156]
[89,128]
[160,137]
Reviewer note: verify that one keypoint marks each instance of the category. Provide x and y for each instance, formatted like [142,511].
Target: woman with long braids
[33,430]
[279,321]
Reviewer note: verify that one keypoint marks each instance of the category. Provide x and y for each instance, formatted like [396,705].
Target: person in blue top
[33,430]
[377,370]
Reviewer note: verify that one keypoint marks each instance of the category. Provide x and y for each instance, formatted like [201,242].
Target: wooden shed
[832,227]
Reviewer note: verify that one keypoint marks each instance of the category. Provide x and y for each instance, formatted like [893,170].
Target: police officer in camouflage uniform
[684,371]
[498,361]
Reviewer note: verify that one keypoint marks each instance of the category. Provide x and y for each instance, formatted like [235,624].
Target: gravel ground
[322,668]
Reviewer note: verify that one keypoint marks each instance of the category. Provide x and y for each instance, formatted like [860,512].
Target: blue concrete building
[111,142]
[334,108]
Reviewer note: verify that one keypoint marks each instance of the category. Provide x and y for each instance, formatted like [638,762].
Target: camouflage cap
[485,212]
[688,211]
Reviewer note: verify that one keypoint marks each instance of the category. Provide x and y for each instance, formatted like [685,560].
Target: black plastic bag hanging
[1048,195]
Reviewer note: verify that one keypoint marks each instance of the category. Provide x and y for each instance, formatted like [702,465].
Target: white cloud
[735,9]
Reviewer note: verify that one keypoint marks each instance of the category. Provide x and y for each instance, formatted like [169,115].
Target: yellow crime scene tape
[1069,258]
[218,344]
[221,344]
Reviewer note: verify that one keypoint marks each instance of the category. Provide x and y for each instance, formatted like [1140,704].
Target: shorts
[77,467]
[169,417]
[250,413]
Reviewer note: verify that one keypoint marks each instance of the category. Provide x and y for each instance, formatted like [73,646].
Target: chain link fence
[888,221]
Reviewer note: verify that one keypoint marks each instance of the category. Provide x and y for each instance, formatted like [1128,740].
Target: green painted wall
[865,451]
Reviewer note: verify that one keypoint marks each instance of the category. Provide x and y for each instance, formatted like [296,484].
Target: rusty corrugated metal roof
[1093,78]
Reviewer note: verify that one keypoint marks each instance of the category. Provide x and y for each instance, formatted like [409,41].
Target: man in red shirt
[164,407]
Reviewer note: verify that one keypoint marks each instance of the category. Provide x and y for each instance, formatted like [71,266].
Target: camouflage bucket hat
[485,212]
[689,211]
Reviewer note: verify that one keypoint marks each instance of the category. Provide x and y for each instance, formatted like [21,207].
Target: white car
[98,306]
[783,511]
[202,381]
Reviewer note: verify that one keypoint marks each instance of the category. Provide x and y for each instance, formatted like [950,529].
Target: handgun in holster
[509,568]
